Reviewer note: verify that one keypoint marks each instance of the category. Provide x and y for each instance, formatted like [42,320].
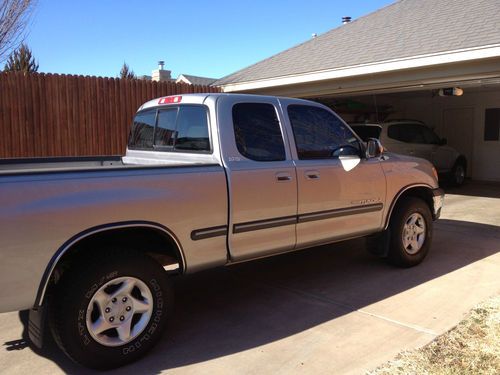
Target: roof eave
[462,55]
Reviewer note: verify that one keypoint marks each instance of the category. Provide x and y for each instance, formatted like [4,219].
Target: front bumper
[438,201]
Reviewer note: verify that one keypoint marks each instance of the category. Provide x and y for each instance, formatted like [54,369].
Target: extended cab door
[341,194]
[261,177]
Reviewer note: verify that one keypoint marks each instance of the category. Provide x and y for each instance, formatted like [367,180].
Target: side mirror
[443,141]
[374,148]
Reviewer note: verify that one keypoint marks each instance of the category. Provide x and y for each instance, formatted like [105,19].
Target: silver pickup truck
[89,244]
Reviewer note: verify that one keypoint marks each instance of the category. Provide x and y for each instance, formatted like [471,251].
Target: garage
[411,60]
[468,123]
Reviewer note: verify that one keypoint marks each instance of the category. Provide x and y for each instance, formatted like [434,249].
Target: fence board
[68,115]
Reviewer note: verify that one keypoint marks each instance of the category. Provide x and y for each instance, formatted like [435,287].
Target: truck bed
[23,166]
[37,165]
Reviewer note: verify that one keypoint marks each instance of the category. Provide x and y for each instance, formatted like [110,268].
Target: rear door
[341,194]
[261,176]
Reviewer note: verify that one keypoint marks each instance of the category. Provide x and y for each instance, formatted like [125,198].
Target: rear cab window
[183,128]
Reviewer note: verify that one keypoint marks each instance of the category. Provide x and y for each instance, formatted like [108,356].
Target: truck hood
[412,168]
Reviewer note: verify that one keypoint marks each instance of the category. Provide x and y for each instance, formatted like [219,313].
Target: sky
[204,38]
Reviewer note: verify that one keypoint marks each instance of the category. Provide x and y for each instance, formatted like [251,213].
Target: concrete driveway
[332,309]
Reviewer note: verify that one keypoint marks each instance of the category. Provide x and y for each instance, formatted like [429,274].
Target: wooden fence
[67,115]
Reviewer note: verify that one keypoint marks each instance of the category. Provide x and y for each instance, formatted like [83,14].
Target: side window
[257,132]
[319,134]
[430,137]
[408,133]
[141,134]
[192,129]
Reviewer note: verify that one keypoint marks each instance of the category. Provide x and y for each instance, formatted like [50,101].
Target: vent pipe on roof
[346,19]
[314,35]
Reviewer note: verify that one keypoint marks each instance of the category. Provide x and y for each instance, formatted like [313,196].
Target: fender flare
[69,244]
[398,196]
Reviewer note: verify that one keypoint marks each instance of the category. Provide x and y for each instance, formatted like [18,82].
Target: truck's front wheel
[411,233]
[110,310]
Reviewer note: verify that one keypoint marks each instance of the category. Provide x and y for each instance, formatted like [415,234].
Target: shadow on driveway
[229,310]
[476,189]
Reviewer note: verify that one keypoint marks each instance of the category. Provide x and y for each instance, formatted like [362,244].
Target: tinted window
[141,134]
[192,129]
[165,127]
[429,136]
[366,132]
[412,133]
[257,132]
[319,134]
[183,128]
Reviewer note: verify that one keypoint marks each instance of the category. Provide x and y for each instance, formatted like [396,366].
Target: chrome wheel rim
[414,233]
[119,311]
[459,174]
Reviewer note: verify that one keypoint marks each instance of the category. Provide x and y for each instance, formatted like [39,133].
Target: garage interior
[462,120]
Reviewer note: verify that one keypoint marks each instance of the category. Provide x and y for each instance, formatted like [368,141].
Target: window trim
[361,143]
[172,148]
[280,126]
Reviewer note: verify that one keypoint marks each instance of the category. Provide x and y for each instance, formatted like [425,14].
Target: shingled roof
[196,80]
[404,29]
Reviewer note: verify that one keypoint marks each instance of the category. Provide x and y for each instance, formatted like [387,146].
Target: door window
[319,134]
[412,133]
[257,132]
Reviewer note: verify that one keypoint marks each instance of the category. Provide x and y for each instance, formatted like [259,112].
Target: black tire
[458,173]
[78,286]
[400,255]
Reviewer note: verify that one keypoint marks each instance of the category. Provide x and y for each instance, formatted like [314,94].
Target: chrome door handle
[282,177]
[312,175]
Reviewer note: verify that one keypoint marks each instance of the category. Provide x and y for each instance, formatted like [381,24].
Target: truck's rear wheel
[411,233]
[110,310]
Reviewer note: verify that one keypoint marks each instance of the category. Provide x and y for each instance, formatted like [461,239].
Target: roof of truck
[199,98]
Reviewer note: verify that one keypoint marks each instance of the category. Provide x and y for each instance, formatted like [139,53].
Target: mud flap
[378,244]
[36,326]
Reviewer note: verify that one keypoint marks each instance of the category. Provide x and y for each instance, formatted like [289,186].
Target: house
[161,75]
[397,62]
[195,80]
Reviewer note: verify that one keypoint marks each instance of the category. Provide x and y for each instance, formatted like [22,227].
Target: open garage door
[459,119]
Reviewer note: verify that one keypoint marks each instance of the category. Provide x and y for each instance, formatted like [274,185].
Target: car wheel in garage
[110,310]
[411,232]
[458,174]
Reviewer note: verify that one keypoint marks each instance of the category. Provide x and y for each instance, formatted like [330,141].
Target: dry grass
[472,347]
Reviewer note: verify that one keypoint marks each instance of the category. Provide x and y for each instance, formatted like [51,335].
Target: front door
[341,193]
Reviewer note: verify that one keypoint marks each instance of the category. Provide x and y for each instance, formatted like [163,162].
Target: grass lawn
[472,347]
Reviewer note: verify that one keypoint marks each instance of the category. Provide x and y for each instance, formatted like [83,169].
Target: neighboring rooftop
[404,29]
[195,80]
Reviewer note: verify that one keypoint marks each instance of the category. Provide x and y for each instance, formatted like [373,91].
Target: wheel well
[421,192]
[154,242]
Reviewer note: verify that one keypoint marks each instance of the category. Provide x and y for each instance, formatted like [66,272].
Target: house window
[492,124]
